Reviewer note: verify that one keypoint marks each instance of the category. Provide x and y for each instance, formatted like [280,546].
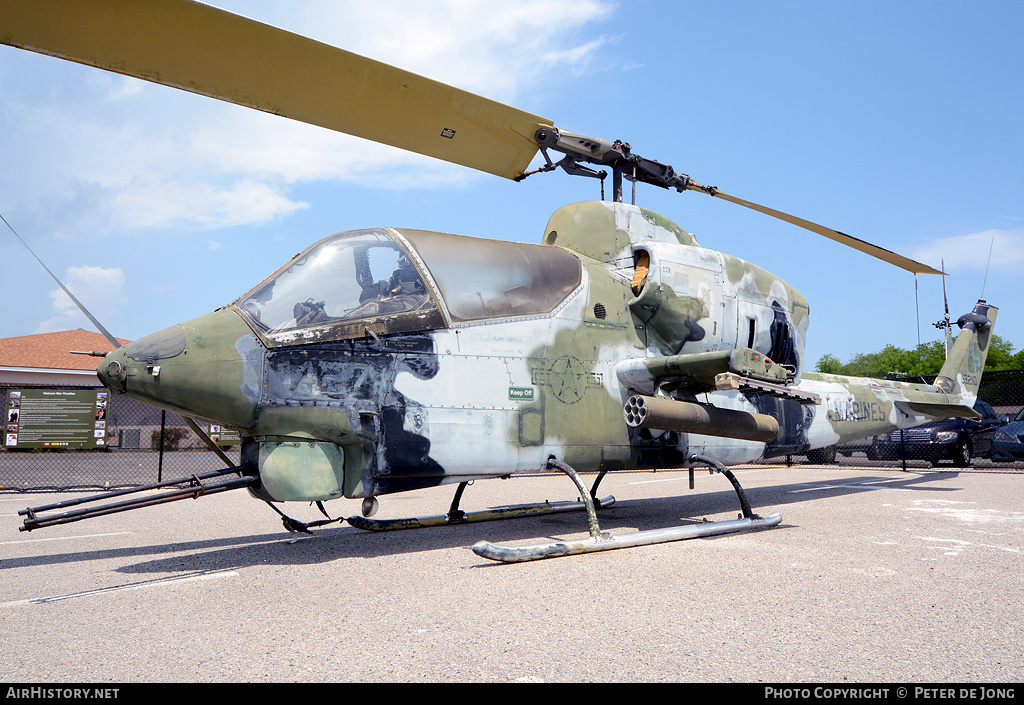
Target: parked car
[959,440]
[1008,440]
[865,445]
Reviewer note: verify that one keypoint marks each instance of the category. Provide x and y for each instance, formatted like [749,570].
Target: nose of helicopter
[207,367]
[113,371]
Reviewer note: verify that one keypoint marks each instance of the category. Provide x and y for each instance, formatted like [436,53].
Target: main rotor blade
[848,240]
[205,50]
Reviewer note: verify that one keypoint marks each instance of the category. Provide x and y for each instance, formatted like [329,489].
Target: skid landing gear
[457,516]
[603,541]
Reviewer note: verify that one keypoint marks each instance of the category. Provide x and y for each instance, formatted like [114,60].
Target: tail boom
[858,408]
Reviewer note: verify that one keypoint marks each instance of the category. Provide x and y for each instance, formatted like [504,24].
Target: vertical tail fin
[961,374]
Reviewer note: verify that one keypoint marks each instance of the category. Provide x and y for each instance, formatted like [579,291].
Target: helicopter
[385,360]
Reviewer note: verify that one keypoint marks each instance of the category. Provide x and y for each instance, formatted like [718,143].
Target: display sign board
[223,435]
[55,418]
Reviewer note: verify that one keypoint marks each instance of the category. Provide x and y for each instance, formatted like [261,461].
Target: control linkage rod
[615,155]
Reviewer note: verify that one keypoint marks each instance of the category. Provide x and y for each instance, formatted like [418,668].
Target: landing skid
[603,541]
[607,542]
[516,512]
[457,516]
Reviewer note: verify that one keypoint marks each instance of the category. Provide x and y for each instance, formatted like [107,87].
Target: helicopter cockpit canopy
[384,281]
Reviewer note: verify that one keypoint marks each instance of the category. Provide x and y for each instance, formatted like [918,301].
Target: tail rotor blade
[945,302]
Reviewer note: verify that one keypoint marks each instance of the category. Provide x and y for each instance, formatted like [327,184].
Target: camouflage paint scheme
[394,403]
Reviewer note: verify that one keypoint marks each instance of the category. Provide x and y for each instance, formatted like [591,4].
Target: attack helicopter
[384,360]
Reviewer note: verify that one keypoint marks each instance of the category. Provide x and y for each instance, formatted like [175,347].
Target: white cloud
[494,49]
[963,253]
[99,290]
[285,152]
[115,87]
[152,202]
[577,58]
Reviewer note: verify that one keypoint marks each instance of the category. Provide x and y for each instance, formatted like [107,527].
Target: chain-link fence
[140,445]
[993,442]
[73,437]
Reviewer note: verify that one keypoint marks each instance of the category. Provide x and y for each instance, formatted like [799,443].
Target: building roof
[53,350]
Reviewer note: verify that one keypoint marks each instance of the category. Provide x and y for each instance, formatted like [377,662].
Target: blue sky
[898,123]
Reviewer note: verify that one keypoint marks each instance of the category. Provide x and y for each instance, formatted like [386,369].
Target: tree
[925,360]
[1000,355]
[829,364]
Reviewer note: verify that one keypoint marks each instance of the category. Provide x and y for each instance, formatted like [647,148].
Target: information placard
[56,418]
[223,435]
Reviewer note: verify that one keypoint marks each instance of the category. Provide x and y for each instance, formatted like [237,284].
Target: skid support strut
[602,541]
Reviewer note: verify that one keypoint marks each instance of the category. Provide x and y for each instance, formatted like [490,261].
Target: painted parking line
[856,485]
[156,583]
[64,538]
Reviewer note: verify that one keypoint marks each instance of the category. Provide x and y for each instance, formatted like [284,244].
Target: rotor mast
[617,156]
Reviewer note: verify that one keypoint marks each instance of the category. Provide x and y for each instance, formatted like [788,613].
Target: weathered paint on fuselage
[494,397]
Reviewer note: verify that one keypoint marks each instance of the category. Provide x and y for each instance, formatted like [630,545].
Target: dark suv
[959,440]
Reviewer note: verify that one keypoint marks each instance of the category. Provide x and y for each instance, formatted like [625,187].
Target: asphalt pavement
[874,575]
